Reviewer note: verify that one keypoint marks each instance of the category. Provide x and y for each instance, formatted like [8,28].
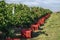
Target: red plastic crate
[48,15]
[26,33]
[23,33]
[8,38]
[15,38]
[35,27]
[41,21]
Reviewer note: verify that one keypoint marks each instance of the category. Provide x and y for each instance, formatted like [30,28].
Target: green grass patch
[52,28]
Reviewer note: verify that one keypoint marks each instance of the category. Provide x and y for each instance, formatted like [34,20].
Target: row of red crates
[26,33]
[39,22]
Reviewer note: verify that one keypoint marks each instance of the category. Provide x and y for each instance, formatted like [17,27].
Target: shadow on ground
[35,34]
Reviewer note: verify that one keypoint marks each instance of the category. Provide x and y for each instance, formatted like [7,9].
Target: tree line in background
[23,15]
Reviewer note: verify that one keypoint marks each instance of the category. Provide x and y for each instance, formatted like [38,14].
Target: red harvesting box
[41,21]
[26,33]
[47,15]
[16,39]
[12,38]
[35,27]
[8,38]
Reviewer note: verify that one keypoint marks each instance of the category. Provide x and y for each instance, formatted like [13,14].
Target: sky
[53,5]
